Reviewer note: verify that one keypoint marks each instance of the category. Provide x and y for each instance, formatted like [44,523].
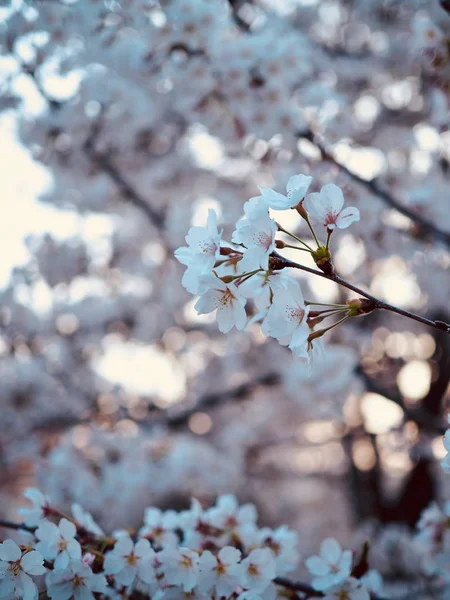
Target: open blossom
[257,233]
[85,519]
[327,208]
[286,318]
[229,516]
[222,572]
[33,515]
[129,561]
[180,567]
[296,189]
[58,543]
[349,589]
[259,569]
[16,570]
[283,544]
[201,253]
[226,299]
[77,581]
[331,567]
[159,527]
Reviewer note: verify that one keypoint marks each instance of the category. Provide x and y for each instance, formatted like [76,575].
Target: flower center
[343,595]
[295,314]
[221,569]
[253,570]
[186,562]
[262,239]
[62,545]
[207,247]
[77,581]
[226,297]
[132,559]
[334,568]
[14,568]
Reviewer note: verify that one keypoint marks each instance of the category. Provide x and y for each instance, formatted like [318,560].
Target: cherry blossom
[331,567]
[257,233]
[33,515]
[296,189]
[259,569]
[180,567]
[77,581]
[326,207]
[222,572]
[349,589]
[128,562]
[286,318]
[159,527]
[16,570]
[58,543]
[224,298]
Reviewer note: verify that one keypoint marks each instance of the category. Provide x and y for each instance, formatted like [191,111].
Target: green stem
[280,228]
[335,324]
[311,228]
[329,232]
[296,248]
[325,304]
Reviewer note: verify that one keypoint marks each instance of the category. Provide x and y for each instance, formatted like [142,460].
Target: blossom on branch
[326,207]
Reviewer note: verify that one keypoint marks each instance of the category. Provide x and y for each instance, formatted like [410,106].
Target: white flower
[286,319]
[15,571]
[229,516]
[159,527]
[310,354]
[84,519]
[349,589]
[373,582]
[296,188]
[226,299]
[283,544]
[331,567]
[222,572]
[128,561]
[327,208]
[259,569]
[77,581]
[201,253]
[180,567]
[257,233]
[58,543]
[260,288]
[34,515]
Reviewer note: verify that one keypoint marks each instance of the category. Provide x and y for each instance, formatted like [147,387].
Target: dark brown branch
[427,228]
[16,526]
[282,262]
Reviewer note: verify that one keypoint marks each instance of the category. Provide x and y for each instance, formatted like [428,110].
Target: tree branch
[427,228]
[281,262]
[17,526]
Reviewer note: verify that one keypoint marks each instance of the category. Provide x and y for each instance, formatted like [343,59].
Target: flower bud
[360,306]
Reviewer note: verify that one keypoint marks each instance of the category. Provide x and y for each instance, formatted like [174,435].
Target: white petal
[68,529]
[10,551]
[330,550]
[347,216]
[275,200]
[317,566]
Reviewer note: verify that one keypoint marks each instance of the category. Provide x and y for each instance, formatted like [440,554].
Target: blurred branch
[307,590]
[104,162]
[280,262]
[17,526]
[425,227]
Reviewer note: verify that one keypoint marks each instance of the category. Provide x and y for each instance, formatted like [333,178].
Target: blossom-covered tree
[279,168]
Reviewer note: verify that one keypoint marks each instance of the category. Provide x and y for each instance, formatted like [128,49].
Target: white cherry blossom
[331,567]
[222,572]
[286,319]
[33,515]
[296,189]
[128,562]
[226,299]
[257,234]
[58,543]
[77,581]
[349,589]
[85,519]
[326,207]
[159,527]
[259,569]
[180,567]
[16,570]
[283,543]
[203,247]
[229,516]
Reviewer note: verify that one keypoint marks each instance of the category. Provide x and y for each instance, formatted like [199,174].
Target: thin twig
[17,526]
[376,302]
[427,228]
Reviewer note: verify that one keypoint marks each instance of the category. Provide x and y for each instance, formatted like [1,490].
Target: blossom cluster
[226,276]
[217,552]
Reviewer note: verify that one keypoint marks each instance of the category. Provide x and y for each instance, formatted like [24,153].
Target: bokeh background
[122,122]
